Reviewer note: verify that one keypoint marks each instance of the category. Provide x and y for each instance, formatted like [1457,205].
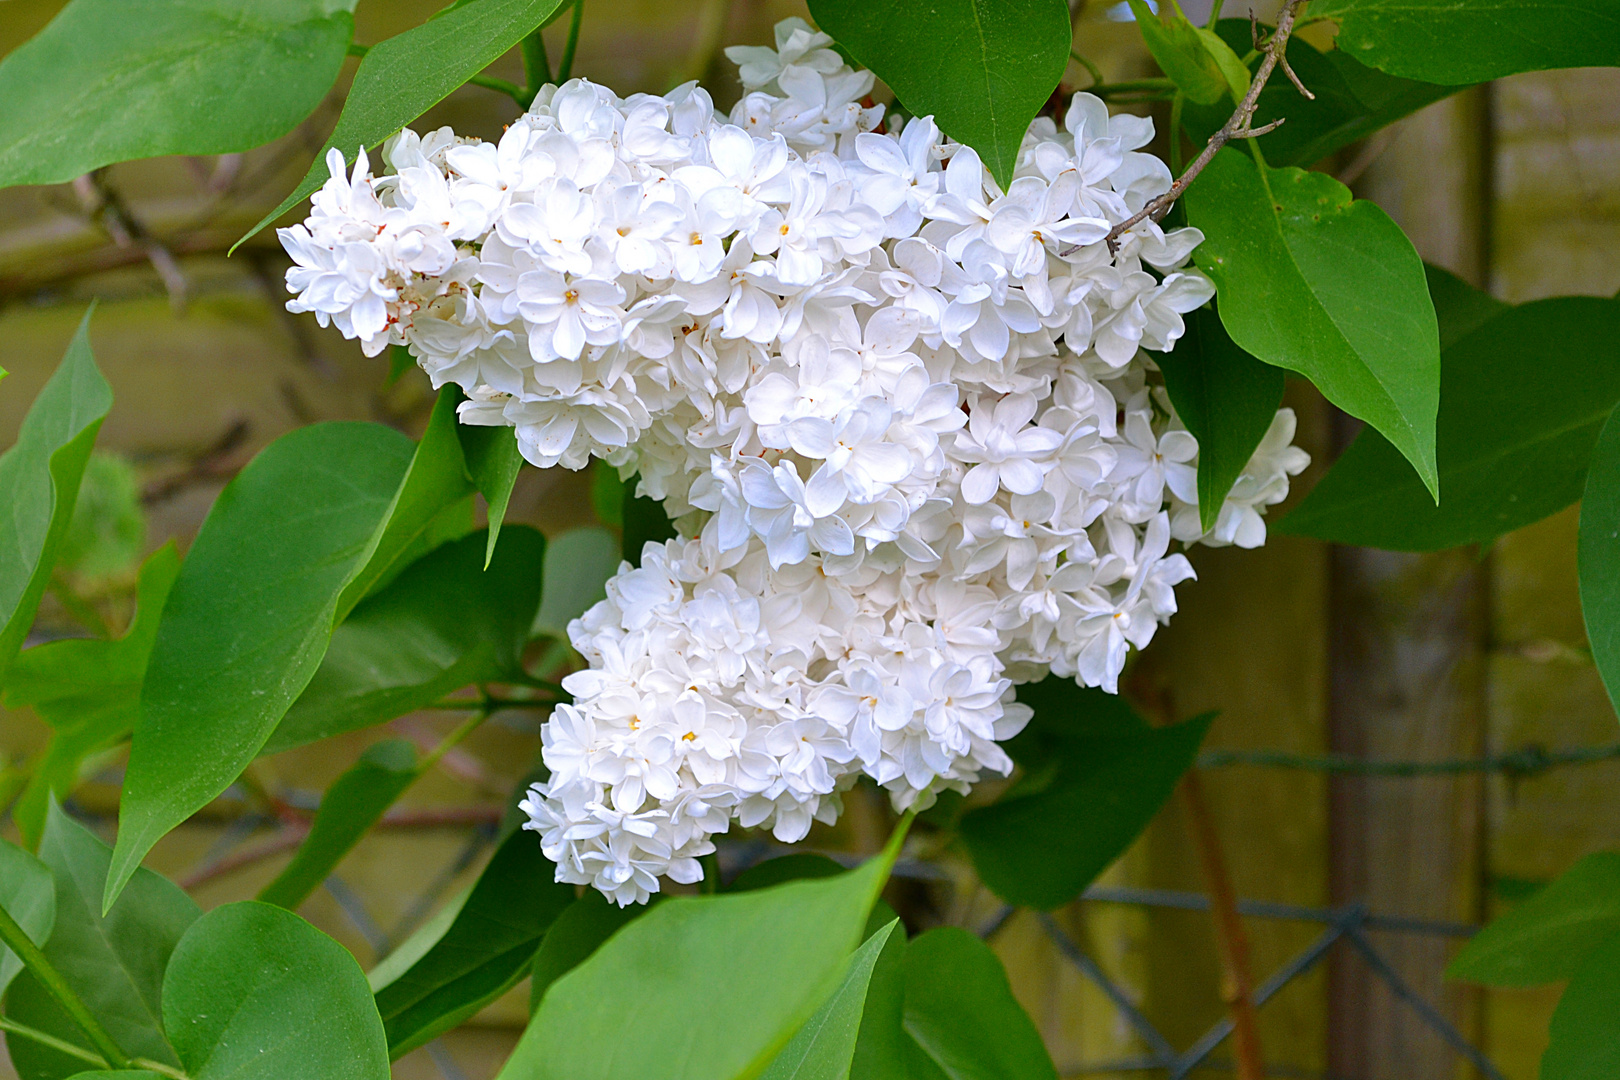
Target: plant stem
[565,69]
[1176,105]
[158,1067]
[52,980]
[711,873]
[1214,14]
[61,1046]
[1091,68]
[465,728]
[536,65]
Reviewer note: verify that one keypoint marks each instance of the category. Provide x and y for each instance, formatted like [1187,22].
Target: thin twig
[1240,126]
[565,66]
[104,206]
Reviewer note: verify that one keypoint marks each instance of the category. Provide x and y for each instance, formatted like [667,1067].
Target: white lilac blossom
[907,422]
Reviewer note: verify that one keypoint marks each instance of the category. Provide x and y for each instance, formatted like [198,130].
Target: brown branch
[104,206]
[1238,127]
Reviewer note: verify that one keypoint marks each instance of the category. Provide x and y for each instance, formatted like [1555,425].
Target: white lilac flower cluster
[903,417]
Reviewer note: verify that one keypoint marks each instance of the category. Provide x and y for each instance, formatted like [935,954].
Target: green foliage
[578,932]
[405,76]
[39,483]
[962,1015]
[1599,556]
[117,1074]
[486,949]
[1094,775]
[261,68]
[1226,398]
[765,960]
[87,690]
[114,962]
[577,571]
[250,617]
[28,893]
[1352,101]
[108,530]
[351,806]
[981,68]
[1584,1038]
[253,992]
[1318,283]
[1511,450]
[493,463]
[1549,936]
[1470,41]
[443,623]
[644,522]
[1197,60]
[824,1048]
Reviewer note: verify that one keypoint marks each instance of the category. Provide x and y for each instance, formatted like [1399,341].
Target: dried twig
[103,205]
[1238,127]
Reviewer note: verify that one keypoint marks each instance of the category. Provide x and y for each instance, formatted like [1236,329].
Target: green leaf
[794,866]
[981,68]
[824,1048]
[883,1047]
[253,992]
[87,690]
[578,932]
[645,522]
[1329,287]
[444,623]
[117,1074]
[1226,398]
[1459,308]
[351,806]
[1202,65]
[489,946]
[1584,1037]
[416,946]
[1512,450]
[1470,41]
[249,618]
[578,566]
[961,1012]
[764,961]
[261,68]
[114,962]
[108,530]
[1598,556]
[1549,936]
[39,481]
[1094,776]
[436,480]
[1352,101]
[405,76]
[493,462]
[28,892]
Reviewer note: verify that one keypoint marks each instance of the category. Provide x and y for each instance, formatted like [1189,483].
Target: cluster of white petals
[903,417]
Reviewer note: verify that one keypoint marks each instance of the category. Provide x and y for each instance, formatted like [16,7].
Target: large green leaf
[110,80]
[981,68]
[1512,450]
[435,481]
[1598,550]
[763,961]
[249,618]
[1226,398]
[39,482]
[1584,1037]
[117,1074]
[87,690]
[1329,287]
[1470,41]
[1459,308]
[824,1048]
[1549,936]
[485,951]
[405,76]
[28,893]
[114,962]
[578,932]
[1094,776]
[253,992]
[1352,101]
[578,565]
[883,1047]
[443,623]
[961,1012]
[351,806]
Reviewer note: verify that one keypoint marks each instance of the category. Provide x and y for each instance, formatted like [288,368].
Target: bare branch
[1238,127]
[104,206]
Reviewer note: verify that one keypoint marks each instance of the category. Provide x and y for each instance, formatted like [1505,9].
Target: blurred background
[1305,649]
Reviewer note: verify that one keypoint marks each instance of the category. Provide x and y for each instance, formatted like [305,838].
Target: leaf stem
[462,730]
[158,1067]
[1214,14]
[1091,68]
[1176,105]
[61,1046]
[536,65]
[565,69]
[42,969]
